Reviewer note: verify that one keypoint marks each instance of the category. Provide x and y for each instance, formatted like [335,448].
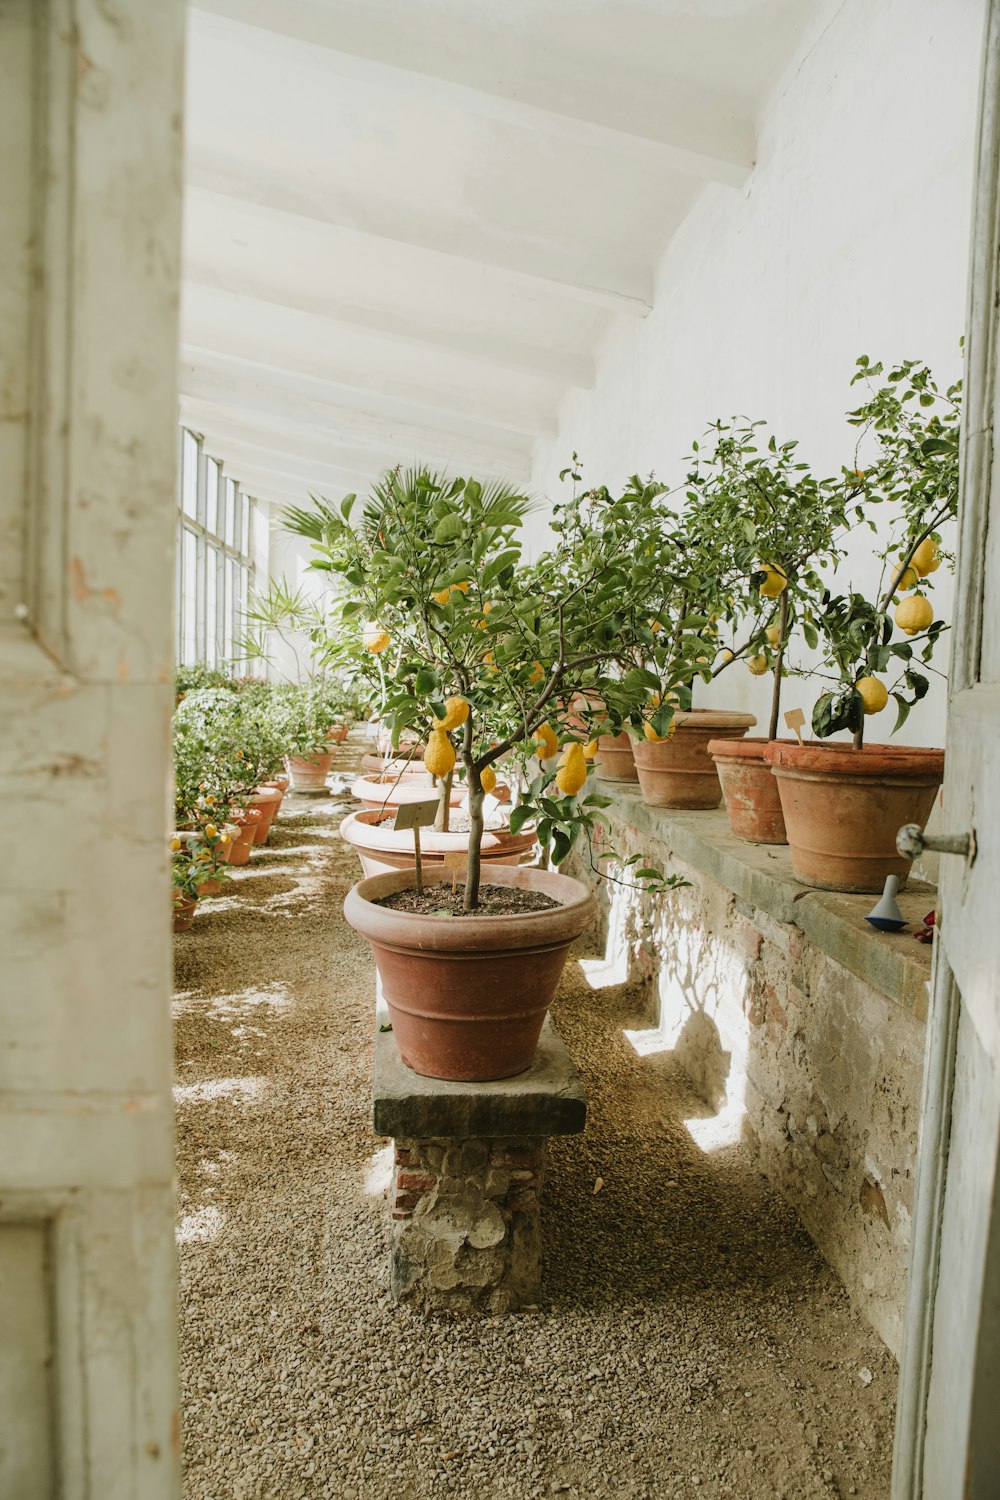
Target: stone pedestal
[469,1163]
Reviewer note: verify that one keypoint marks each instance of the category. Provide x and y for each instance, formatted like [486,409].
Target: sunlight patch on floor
[713,1132]
[204,1225]
[604,973]
[378,1172]
[237,1090]
[248,1004]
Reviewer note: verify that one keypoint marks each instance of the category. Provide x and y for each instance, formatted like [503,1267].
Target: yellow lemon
[590,750]
[927,558]
[462,588]
[490,664]
[775,581]
[223,837]
[907,579]
[573,772]
[914,614]
[375,637]
[545,739]
[439,757]
[874,694]
[210,830]
[654,625]
[175,843]
[758,665]
[727,655]
[487,778]
[456,711]
[442,596]
[773,633]
[537,672]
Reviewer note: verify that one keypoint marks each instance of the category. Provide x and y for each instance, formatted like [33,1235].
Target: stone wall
[802,1029]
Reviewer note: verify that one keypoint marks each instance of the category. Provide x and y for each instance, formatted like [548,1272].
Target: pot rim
[745,749]
[377,837]
[711,718]
[477,934]
[904,762]
[309,760]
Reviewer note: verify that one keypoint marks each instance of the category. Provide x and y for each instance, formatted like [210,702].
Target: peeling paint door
[948,1415]
[90,181]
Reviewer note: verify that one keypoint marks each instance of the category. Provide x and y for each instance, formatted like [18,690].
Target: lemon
[442,596]
[653,737]
[487,778]
[914,614]
[758,665]
[727,655]
[545,739]
[775,581]
[654,625]
[537,672]
[773,633]
[210,830]
[175,843]
[439,757]
[375,637]
[461,588]
[874,694]
[927,558]
[907,579]
[573,772]
[590,750]
[456,711]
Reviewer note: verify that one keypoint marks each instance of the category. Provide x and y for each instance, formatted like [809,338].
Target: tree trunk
[477,823]
[443,819]
[772,732]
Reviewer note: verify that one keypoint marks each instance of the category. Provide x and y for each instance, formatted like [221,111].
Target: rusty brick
[415,1182]
[404,1157]
[522,1200]
[749,940]
[407,1201]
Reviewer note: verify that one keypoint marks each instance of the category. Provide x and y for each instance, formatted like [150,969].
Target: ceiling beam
[675,126]
[626,291]
[213,375]
[478,346]
[239,459]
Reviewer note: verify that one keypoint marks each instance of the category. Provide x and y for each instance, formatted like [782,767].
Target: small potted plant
[479,653]
[844,803]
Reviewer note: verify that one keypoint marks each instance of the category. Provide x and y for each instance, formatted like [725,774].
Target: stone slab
[761,875]
[546,1100]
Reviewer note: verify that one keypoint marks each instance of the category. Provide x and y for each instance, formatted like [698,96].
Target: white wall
[850,237]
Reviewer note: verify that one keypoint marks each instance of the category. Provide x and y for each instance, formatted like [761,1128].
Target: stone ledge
[546,1100]
[761,876]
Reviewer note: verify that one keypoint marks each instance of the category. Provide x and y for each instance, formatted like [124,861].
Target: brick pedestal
[469,1164]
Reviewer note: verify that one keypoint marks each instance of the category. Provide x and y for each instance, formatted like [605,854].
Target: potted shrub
[844,803]
[756,506]
[304,718]
[479,653]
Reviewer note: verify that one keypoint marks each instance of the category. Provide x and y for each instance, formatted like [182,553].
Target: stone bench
[468,1168]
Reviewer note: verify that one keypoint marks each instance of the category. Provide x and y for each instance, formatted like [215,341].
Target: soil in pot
[679,772]
[749,790]
[442,900]
[615,760]
[843,808]
[308,773]
[467,996]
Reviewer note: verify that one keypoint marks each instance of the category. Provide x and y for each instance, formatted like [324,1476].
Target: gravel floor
[691,1342]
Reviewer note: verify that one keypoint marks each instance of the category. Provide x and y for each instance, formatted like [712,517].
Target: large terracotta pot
[467,996]
[843,808]
[247,824]
[267,800]
[394,791]
[377,765]
[750,790]
[615,759]
[679,772]
[309,772]
[382,850]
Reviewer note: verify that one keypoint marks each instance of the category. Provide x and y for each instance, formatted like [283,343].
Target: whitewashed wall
[850,237]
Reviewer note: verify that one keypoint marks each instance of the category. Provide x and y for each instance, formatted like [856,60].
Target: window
[215,521]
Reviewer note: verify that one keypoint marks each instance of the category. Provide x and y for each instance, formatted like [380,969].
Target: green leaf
[523,813]
[448,528]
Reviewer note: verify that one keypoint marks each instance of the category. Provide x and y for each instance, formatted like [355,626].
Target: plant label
[795,719]
[416,814]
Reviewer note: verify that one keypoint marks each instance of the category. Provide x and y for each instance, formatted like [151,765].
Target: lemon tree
[875,647]
[478,651]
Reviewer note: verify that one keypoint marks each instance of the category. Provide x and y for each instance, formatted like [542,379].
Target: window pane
[190,597]
[245,526]
[212,495]
[189,475]
[211,606]
[227,624]
[230,513]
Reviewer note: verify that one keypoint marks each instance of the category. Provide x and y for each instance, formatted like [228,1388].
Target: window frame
[209,639]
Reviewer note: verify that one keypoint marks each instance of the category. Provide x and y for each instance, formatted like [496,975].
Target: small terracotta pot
[247,824]
[308,773]
[382,851]
[679,772]
[267,800]
[390,791]
[338,734]
[226,850]
[468,995]
[843,808]
[210,887]
[615,758]
[750,790]
[184,910]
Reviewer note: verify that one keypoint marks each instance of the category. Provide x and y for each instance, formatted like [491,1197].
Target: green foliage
[225,744]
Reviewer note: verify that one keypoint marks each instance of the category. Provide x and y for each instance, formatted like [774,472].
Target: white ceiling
[410,223]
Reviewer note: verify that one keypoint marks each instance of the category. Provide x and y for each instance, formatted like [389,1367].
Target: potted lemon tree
[481,655]
[844,803]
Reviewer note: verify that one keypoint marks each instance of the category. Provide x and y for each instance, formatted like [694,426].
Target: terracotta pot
[282,782]
[377,765]
[615,759]
[338,734]
[226,850]
[210,887]
[391,791]
[308,773]
[382,850]
[184,910]
[467,995]
[843,808]
[750,790]
[247,824]
[679,772]
[267,800]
